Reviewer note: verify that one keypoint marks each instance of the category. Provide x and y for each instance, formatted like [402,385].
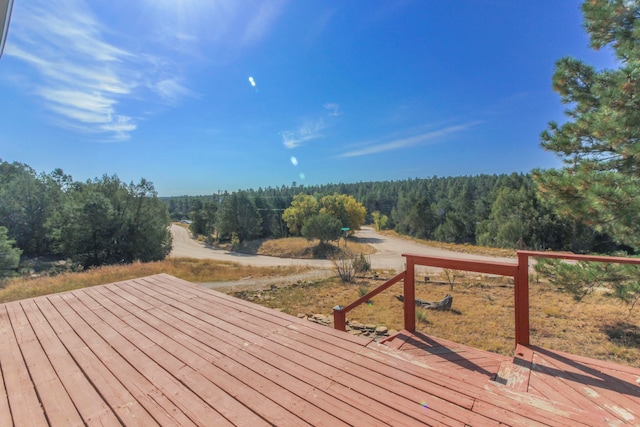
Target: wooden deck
[609,392]
[162,351]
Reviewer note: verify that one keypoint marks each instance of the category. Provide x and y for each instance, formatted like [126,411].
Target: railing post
[339,318]
[410,296]
[521,291]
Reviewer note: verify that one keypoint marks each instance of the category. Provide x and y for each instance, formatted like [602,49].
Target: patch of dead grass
[299,247]
[193,270]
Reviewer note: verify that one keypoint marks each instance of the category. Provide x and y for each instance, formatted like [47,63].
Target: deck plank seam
[151,393]
[262,337]
[257,325]
[154,345]
[183,345]
[79,303]
[64,380]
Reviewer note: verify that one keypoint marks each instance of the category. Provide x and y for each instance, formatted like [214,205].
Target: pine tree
[9,255]
[600,143]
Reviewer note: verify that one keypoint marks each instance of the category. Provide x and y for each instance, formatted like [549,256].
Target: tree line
[503,210]
[100,221]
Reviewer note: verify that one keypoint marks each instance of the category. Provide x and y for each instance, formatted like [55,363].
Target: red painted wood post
[410,296]
[521,291]
[339,319]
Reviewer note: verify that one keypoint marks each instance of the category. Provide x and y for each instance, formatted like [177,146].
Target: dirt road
[388,254]
[185,246]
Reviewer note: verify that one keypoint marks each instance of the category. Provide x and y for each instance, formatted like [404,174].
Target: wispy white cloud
[80,76]
[333,109]
[308,131]
[85,73]
[172,90]
[408,141]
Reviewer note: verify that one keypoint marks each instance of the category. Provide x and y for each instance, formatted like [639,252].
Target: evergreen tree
[323,227]
[600,183]
[9,255]
[23,207]
[599,144]
[108,222]
[238,214]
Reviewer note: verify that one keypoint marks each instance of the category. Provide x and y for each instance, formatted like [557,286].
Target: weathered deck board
[310,350]
[244,331]
[587,387]
[48,384]
[497,402]
[472,365]
[24,403]
[111,389]
[162,351]
[201,336]
[123,371]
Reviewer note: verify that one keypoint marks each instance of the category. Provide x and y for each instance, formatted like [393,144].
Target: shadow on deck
[608,392]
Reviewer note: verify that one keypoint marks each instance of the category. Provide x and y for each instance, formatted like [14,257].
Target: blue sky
[200,96]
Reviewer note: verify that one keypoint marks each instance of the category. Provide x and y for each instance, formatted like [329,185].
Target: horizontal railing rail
[519,271]
[522,283]
[576,257]
[478,266]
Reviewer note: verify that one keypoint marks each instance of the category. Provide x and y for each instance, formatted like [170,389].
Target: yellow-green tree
[342,207]
[302,208]
[379,220]
[345,208]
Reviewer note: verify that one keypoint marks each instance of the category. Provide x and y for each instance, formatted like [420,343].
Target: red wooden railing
[519,271]
[340,312]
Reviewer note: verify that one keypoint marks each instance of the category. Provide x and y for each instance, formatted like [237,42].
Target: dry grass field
[193,270]
[600,326]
